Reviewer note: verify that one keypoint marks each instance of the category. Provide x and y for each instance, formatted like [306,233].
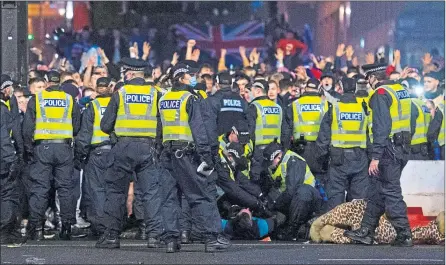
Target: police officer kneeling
[391,107]
[132,114]
[344,129]
[51,120]
[93,145]
[293,190]
[187,153]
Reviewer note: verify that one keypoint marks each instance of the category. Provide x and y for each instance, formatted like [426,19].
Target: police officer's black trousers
[199,192]
[9,202]
[94,181]
[305,201]
[318,168]
[257,165]
[419,152]
[348,172]
[53,160]
[385,196]
[24,192]
[132,155]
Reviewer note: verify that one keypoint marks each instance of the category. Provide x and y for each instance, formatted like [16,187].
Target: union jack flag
[230,37]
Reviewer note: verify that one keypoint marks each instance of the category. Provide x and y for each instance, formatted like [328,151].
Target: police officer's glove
[15,169]
[113,138]
[79,162]
[279,219]
[262,210]
[206,168]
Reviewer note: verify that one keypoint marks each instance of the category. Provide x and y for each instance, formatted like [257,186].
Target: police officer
[391,107]
[436,129]
[265,123]
[237,188]
[292,188]
[51,121]
[94,144]
[420,119]
[187,153]
[301,126]
[9,169]
[227,107]
[132,115]
[343,134]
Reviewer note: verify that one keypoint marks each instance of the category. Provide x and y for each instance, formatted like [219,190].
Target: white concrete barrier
[422,183]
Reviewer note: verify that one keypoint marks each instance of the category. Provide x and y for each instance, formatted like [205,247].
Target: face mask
[193,81]
[327,87]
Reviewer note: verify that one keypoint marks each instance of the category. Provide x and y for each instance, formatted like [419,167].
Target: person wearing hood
[292,188]
[301,126]
[343,135]
[328,86]
[421,116]
[391,127]
[265,123]
[432,89]
[132,116]
[187,153]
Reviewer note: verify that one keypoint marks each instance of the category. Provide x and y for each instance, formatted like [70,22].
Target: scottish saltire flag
[230,37]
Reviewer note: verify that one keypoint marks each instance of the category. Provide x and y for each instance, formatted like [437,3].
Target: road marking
[435,260]
[145,244]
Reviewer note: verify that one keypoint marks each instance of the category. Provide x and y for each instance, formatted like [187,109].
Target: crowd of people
[190,152]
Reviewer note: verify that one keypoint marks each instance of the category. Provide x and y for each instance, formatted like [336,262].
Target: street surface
[251,252]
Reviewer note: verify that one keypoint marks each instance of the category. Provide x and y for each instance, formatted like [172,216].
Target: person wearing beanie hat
[265,123]
[186,135]
[391,107]
[92,142]
[301,125]
[51,122]
[343,136]
[132,116]
[293,188]
[226,106]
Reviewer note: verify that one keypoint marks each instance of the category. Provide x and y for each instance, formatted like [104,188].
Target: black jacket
[435,126]
[7,150]
[83,138]
[295,176]
[29,121]
[13,120]
[219,117]
[111,113]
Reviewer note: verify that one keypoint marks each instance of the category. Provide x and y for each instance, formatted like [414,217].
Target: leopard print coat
[330,227]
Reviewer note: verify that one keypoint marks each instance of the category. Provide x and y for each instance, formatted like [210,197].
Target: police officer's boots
[34,232]
[65,232]
[362,235]
[185,237]
[403,238]
[173,246]
[217,244]
[108,240]
[141,235]
[10,235]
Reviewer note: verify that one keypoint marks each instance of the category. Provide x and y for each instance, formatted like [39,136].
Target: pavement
[241,252]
